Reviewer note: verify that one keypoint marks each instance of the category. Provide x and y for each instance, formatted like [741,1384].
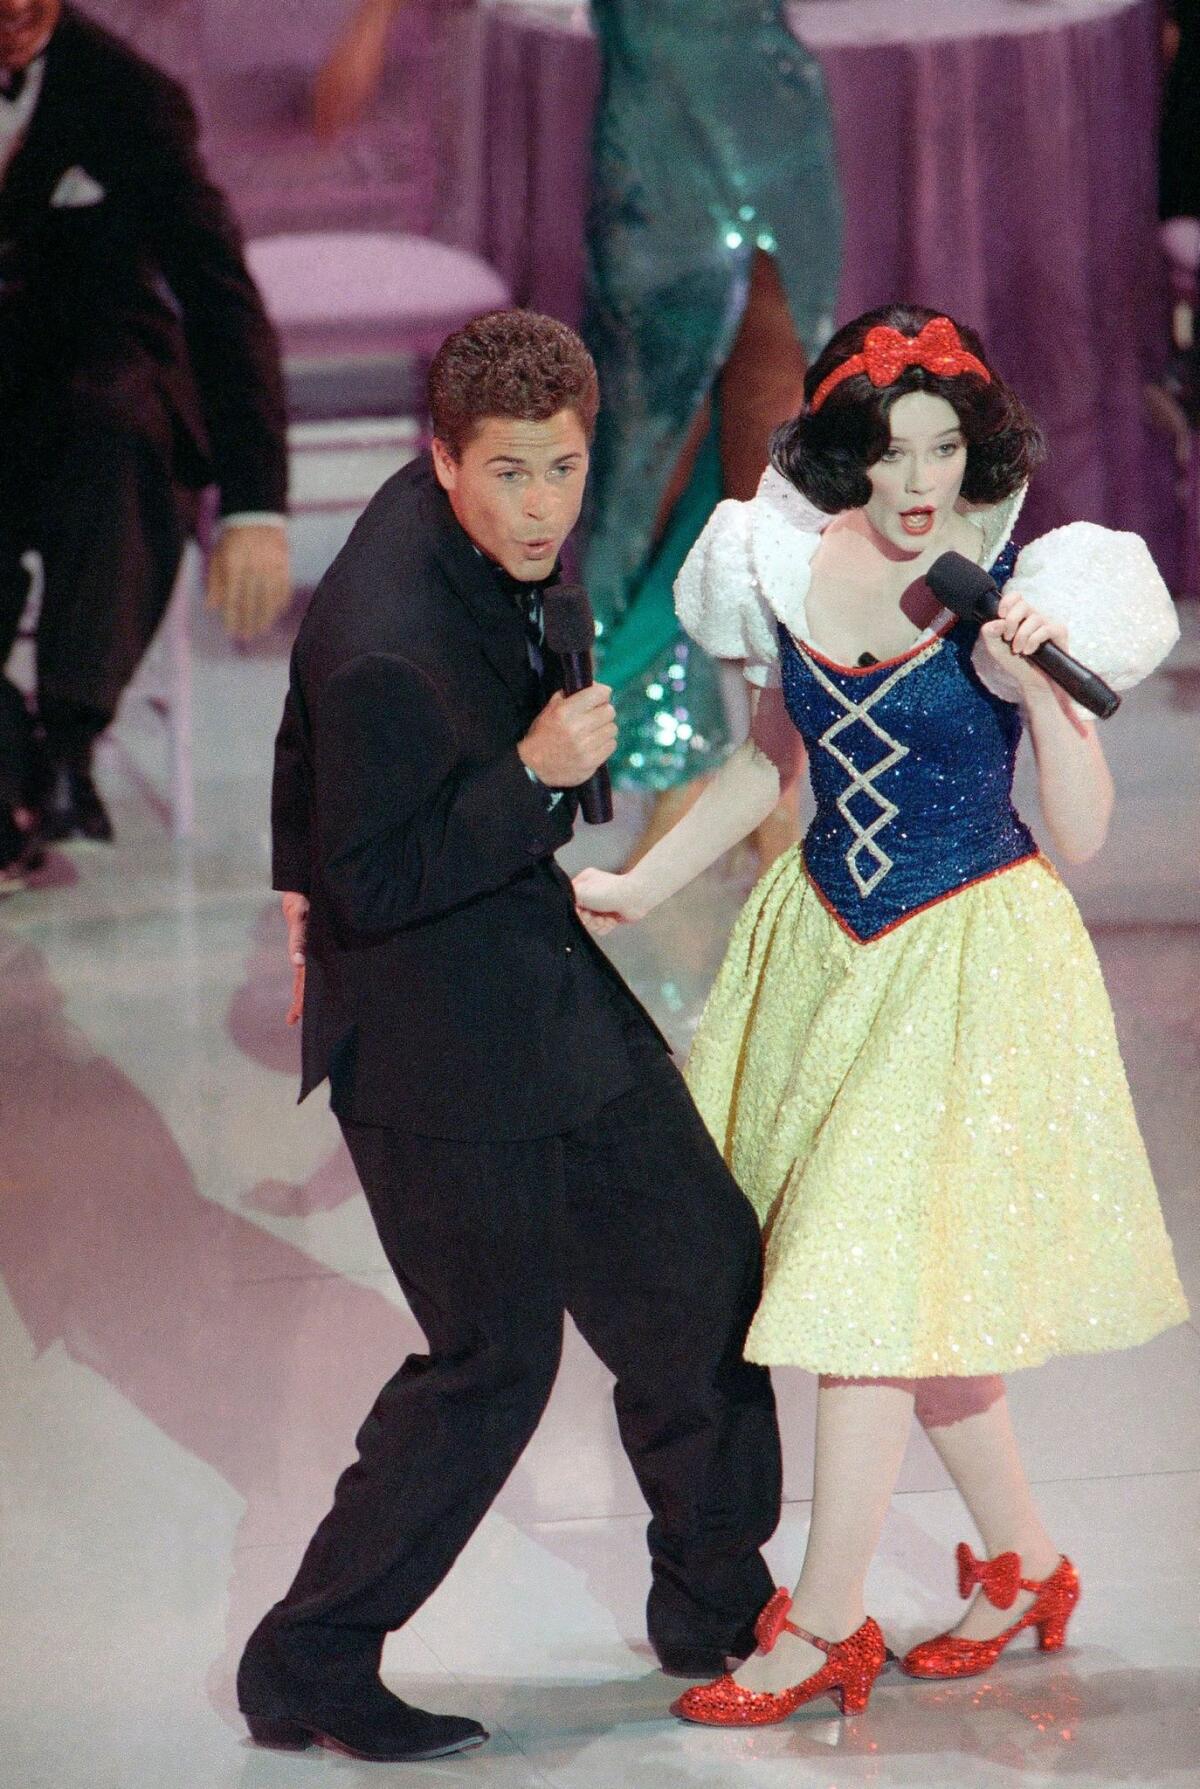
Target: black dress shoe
[285,1710]
[20,854]
[70,806]
[702,1663]
[380,1729]
[696,1662]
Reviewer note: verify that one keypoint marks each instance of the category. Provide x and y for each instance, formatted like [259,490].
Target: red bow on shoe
[773,1621]
[886,353]
[1000,1578]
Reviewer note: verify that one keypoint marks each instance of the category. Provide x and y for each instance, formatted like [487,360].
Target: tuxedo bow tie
[12,83]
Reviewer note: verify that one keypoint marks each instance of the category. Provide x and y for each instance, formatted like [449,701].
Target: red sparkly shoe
[947,1655]
[849,1674]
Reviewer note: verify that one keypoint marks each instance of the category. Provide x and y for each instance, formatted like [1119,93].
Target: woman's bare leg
[685,465]
[862,1430]
[762,382]
[968,1422]
[761,385]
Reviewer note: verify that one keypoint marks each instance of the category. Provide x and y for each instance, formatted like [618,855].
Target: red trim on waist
[1029,857]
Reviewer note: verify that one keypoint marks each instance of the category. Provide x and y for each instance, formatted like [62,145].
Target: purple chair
[352,242]
[360,314]
[362,292]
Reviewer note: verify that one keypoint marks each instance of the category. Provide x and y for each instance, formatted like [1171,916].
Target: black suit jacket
[152,269]
[451,989]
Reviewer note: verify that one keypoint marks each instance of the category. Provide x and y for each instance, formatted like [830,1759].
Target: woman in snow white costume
[908,1055]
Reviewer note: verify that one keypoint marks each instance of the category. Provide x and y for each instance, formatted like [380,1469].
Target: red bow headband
[886,353]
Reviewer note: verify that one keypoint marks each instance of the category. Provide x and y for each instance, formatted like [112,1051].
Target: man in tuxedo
[525,1143]
[136,366]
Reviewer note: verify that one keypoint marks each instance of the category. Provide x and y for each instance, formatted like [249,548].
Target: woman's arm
[349,78]
[738,798]
[1074,785]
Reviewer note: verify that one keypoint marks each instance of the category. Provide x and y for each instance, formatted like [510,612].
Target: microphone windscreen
[962,587]
[570,624]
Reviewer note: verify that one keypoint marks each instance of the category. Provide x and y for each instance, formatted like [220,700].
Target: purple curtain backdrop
[1005,175]
[1008,178]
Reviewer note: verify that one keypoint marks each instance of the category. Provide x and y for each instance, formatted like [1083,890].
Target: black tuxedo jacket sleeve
[153,268]
[451,989]
[408,827]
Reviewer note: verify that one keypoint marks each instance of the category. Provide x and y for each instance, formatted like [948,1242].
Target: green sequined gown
[712,138]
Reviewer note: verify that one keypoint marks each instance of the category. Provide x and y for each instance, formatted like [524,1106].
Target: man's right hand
[295,917]
[571,737]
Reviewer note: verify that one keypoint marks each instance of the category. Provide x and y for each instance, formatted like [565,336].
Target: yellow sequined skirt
[935,1131]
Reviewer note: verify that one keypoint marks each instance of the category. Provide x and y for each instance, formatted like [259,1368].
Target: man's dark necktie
[12,83]
[529,602]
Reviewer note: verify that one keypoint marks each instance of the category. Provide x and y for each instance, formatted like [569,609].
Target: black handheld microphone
[968,591]
[570,636]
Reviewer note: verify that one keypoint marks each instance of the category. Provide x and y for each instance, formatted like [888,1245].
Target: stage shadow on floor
[223,1335]
[1086,1717]
[241,1348]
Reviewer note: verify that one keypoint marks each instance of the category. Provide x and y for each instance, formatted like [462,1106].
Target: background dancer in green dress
[714,243]
[714,247]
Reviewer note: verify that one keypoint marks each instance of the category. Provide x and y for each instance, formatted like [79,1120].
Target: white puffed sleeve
[718,600]
[1120,619]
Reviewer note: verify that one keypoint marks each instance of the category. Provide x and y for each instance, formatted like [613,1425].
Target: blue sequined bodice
[912,765]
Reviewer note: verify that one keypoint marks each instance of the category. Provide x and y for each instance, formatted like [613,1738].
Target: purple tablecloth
[1007,176]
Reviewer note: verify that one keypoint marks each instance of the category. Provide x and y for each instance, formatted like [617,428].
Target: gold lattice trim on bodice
[862,782]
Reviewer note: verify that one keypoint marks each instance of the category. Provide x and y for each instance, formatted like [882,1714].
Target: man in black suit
[524,1141]
[136,365]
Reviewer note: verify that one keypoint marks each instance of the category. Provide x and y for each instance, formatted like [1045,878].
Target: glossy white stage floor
[195,1315]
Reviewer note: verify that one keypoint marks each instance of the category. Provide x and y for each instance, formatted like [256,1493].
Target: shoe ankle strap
[802,1633]
[774,1621]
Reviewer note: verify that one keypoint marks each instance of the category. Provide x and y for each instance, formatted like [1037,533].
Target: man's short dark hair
[825,453]
[513,364]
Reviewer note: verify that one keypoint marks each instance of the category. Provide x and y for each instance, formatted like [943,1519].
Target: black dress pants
[631,1223]
[88,478]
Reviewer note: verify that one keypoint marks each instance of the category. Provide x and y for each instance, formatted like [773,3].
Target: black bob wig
[826,454]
